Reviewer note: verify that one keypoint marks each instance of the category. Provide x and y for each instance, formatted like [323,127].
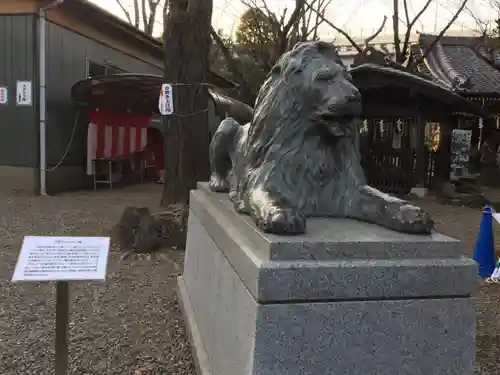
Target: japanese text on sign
[166,102]
[62,258]
[23,93]
[4,95]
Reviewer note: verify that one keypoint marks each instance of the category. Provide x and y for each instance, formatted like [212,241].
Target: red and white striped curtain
[112,135]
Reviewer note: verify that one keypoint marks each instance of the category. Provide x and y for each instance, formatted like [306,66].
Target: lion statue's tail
[222,153]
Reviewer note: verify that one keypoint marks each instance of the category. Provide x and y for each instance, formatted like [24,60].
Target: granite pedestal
[347,298]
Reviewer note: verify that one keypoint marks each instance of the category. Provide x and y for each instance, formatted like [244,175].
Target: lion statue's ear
[325,46]
[327,49]
[298,44]
[276,70]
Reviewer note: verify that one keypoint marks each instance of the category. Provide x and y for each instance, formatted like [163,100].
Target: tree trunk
[187,45]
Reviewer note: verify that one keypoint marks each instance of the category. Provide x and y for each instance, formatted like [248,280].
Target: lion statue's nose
[354,97]
[349,105]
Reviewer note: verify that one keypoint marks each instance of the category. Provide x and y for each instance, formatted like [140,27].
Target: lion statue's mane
[299,157]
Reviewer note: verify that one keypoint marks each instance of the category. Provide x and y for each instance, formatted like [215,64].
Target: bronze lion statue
[298,157]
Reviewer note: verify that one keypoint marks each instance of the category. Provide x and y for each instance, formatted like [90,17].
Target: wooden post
[62,320]
[421,162]
[443,157]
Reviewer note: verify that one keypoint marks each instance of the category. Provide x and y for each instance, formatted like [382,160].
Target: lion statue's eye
[326,76]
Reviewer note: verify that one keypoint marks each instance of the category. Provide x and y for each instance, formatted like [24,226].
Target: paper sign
[23,93]
[62,259]
[4,95]
[166,101]
[497,217]
[460,148]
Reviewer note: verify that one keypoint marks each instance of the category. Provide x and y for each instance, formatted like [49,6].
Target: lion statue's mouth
[339,126]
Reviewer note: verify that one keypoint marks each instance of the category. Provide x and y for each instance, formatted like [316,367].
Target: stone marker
[347,298]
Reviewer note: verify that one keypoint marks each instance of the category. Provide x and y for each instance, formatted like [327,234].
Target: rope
[188,114]
[68,147]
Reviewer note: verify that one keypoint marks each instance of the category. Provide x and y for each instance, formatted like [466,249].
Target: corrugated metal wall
[67,53]
[18,131]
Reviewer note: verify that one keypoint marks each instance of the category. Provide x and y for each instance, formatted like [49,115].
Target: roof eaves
[427,39]
[102,15]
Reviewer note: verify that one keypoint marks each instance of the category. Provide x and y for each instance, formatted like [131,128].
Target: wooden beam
[18,6]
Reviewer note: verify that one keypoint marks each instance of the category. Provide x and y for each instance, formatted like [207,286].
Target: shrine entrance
[388,154]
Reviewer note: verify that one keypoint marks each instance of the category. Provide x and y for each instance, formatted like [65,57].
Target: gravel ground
[131,324]
[463,223]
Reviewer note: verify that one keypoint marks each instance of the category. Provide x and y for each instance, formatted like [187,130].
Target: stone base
[200,357]
[419,191]
[356,300]
[19,180]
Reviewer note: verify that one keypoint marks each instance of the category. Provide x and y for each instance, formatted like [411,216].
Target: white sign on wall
[23,93]
[460,146]
[166,101]
[62,259]
[4,95]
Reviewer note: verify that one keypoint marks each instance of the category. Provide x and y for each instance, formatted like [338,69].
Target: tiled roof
[454,63]
[368,76]
[422,68]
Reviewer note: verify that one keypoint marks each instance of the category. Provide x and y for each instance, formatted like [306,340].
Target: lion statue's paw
[239,206]
[283,221]
[218,184]
[412,219]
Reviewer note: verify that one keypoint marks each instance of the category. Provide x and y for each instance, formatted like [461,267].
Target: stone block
[347,298]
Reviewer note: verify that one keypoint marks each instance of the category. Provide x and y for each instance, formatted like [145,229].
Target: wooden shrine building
[399,105]
[470,67]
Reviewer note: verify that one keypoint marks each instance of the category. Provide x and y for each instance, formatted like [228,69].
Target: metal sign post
[62,322]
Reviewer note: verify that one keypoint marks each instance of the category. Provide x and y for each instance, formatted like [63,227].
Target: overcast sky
[359,17]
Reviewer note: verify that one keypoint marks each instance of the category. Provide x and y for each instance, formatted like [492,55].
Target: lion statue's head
[310,90]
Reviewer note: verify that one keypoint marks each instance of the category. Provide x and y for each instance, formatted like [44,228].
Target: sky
[357,17]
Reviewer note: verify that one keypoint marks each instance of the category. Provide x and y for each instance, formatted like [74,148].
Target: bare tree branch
[303,25]
[284,32]
[244,87]
[299,6]
[379,30]
[271,17]
[406,43]
[153,8]
[338,29]
[322,6]
[407,13]
[306,23]
[438,38]
[483,26]
[125,11]
[144,15]
[136,14]
[395,28]
[283,16]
